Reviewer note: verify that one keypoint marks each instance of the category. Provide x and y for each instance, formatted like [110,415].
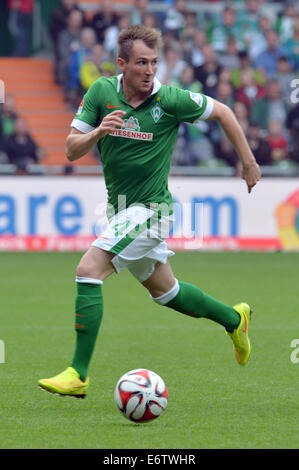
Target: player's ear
[121,63]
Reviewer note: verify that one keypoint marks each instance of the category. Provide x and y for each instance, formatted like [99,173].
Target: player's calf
[190,300]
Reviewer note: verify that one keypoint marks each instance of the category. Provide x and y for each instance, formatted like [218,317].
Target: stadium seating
[41,102]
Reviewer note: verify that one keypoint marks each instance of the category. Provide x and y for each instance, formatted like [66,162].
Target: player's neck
[133,96]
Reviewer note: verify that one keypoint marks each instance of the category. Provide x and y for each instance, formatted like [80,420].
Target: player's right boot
[240,339]
[68,383]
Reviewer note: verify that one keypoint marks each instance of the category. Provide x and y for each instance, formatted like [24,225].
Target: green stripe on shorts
[132,235]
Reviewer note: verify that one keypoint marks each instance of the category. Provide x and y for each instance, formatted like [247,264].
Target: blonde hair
[150,36]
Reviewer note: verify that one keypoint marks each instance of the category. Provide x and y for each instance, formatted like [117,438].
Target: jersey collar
[156,87]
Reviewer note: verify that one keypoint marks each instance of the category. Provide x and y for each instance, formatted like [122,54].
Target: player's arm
[79,143]
[228,121]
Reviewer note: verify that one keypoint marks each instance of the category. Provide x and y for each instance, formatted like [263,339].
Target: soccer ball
[141,395]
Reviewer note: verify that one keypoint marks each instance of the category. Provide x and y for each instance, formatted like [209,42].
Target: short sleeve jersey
[136,158]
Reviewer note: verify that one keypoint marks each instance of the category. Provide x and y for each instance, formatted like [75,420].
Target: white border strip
[82,126]
[168,296]
[88,280]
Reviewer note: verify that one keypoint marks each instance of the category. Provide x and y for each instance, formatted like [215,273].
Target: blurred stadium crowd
[246,56]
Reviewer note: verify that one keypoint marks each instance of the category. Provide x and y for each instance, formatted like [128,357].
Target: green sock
[192,301]
[88,317]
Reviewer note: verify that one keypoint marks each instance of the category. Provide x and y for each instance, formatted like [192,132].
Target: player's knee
[87,268]
[162,297]
[83,270]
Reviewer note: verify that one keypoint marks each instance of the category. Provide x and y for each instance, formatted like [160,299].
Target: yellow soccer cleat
[242,346]
[68,383]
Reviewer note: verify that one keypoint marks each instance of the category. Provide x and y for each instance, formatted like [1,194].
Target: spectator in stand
[226,152]
[197,144]
[292,124]
[225,76]
[287,19]
[150,20]
[175,18]
[208,73]
[171,67]
[98,65]
[248,17]
[250,90]
[229,27]
[285,75]
[256,19]
[223,149]
[292,46]
[82,53]
[139,9]
[187,81]
[201,150]
[225,93]
[242,114]
[68,40]
[181,151]
[104,19]
[59,17]
[21,148]
[245,64]
[277,141]
[196,56]
[267,60]
[259,146]
[256,41]
[168,39]
[58,22]
[111,34]
[20,13]
[271,106]
[188,35]
[229,58]
[8,116]
[108,69]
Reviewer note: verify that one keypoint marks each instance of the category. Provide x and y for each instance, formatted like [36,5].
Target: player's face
[140,70]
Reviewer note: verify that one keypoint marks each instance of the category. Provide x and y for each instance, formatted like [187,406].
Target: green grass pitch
[213,402]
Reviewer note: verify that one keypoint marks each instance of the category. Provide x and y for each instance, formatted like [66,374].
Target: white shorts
[136,236]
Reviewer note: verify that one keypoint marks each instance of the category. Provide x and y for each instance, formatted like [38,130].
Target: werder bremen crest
[157,112]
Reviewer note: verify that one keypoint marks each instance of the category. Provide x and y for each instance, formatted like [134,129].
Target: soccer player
[134,121]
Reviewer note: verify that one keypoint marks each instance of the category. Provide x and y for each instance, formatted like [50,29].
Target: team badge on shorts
[157,112]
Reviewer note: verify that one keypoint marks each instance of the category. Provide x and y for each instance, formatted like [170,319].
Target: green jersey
[136,158]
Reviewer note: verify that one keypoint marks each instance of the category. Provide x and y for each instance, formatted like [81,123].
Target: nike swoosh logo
[110,106]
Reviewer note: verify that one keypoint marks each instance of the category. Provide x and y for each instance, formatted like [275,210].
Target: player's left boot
[242,346]
[68,383]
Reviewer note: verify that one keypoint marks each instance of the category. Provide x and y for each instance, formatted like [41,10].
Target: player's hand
[111,121]
[251,173]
